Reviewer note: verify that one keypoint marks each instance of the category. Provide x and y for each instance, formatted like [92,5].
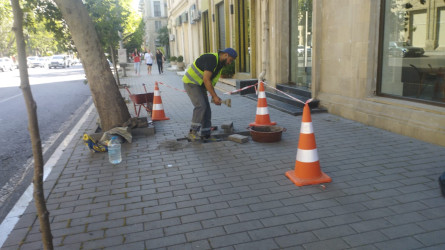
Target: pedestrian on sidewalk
[137,61]
[160,61]
[199,78]
[148,57]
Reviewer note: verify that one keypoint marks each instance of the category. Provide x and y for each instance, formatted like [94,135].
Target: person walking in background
[160,61]
[148,57]
[137,61]
[199,78]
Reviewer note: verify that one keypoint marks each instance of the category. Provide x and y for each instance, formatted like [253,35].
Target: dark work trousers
[202,114]
[160,67]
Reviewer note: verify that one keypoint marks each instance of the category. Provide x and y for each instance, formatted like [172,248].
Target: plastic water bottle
[114,150]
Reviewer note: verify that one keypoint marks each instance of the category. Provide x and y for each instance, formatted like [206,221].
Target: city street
[170,194]
[61,96]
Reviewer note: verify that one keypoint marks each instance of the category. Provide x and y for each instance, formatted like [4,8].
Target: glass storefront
[301,43]
[413,50]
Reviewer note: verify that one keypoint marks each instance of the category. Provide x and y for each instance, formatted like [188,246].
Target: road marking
[16,212]
[7,99]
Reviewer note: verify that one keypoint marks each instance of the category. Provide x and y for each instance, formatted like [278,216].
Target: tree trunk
[33,127]
[106,95]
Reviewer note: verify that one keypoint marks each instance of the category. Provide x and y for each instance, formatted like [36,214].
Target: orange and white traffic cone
[157,113]
[307,166]
[262,112]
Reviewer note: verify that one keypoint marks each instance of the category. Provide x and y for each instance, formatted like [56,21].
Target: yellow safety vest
[195,76]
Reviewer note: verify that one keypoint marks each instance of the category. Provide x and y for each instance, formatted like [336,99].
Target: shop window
[221,26]
[301,43]
[206,31]
[413,50]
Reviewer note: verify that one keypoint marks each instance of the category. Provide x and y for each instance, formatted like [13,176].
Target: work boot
[193,135]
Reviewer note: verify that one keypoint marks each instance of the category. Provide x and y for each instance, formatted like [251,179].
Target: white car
[6,64]
[61,61]
[33,61]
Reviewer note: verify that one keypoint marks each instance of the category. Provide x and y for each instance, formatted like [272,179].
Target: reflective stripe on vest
[195,76]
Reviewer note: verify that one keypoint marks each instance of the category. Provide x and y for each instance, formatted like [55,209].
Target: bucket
[266,133]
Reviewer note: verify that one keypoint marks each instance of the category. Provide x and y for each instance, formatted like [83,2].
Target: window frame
[379,82]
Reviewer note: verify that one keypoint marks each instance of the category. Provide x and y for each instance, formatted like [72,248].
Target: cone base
[160,119]
[262,124]
[324,178]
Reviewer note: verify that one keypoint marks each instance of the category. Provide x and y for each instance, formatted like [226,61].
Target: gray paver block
[334,232]
[220,221]
[103,243]
[365,238]
[145,235]
[432,238]
[198,217]
[295,239]
[129,246]
[229,239]
[227,125]
[76,238]
[183,228]
[178,212]
[258,245]
[238,138]
[165,241]
[200,244]
[327,244]
[205,234]
[124,230]
[243,226]
[269,232]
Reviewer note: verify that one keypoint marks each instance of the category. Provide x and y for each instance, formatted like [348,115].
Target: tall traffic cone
[157,113]
[262,112]
[307,166]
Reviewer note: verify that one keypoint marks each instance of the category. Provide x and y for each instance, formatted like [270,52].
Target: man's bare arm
[209,87]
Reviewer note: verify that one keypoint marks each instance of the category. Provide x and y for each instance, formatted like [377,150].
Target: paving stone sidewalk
[169,194]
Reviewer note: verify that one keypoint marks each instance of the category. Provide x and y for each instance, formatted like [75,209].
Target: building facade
[154,14]
[381,63]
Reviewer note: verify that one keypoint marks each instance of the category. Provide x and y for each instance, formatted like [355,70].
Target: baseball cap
[230,51]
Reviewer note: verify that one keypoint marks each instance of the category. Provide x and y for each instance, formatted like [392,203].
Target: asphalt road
[61,96]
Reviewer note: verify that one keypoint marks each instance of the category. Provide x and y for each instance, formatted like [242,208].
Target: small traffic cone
[157,113]
[262,112]
[307,165]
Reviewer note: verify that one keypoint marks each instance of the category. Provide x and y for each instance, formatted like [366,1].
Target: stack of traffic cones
[307,166]
[262,112]
[158,109]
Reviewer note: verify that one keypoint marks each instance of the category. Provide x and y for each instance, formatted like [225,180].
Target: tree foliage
[108,17]
[7,41]
[46,32]
[135,39]
[163,36]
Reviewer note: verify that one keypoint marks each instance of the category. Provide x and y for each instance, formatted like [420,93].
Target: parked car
[6,64]
[44,61]
[61,61]
[33,61]
[403,49]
